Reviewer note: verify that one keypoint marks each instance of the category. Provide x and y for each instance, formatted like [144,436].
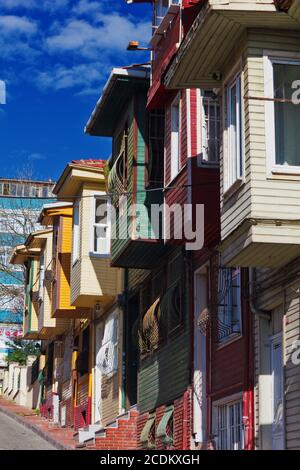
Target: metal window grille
[211,129]
[230,431]
[229,302]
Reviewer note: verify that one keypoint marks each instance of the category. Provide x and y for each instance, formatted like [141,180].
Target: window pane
[175,142]
[287,115]
[101,240]
[101,211]
[26,190]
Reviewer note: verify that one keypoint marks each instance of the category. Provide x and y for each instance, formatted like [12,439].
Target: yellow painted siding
[65,265]
[92,278]
[47,325]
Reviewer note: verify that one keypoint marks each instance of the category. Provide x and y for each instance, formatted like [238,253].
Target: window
[160,9]
[282,115]
[26,190]
[83,357]
[75,250]
[175,138]
[107,358]
[41,276]
[6,189]
[234,170]
[228,424]
[101,227]
[210,128]
[156,147]
[229,303]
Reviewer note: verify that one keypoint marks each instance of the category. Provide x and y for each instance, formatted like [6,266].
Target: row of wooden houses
[177,342]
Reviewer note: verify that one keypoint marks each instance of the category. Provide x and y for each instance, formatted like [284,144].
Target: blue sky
[55,57]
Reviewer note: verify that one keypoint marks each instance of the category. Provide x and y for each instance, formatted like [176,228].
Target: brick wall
[182,423]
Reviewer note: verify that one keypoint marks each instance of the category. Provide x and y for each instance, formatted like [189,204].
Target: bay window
[235,166]
[282,114]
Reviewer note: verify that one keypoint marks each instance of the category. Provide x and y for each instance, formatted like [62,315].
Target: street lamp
[135,46]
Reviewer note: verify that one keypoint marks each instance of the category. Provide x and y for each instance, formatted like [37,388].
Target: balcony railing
[117,178]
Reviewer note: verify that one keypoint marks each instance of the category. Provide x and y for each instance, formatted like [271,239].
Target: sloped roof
[90,163]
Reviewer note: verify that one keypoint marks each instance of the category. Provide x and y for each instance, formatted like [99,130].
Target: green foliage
[21,349]
[106,170]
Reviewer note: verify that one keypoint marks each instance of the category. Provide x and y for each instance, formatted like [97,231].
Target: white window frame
[104,196]
[76,233]
[41,275]
[234,164]
[270,58]
[175,164]
[227,402]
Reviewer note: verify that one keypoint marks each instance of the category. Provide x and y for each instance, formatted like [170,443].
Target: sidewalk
[60,438]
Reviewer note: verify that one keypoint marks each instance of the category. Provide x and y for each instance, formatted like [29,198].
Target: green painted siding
[165,375]
[137,139]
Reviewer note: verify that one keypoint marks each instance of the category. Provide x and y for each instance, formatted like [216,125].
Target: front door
[131,352]
[98,375]
[277,393]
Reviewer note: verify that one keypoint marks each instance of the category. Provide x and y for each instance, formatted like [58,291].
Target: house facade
[252,71]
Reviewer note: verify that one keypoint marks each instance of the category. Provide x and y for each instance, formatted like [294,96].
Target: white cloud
[92,37]
[10,4]
[111,32]
[87,77]
[51,5]
[11,24]
[36,156]
[85,7]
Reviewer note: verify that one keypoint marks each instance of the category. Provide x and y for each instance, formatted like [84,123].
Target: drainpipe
[266,314]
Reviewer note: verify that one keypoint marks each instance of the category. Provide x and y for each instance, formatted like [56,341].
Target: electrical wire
[125,193]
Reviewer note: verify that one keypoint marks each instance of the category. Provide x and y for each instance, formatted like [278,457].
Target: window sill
[99,255]
[229,340]
[234,188]
[206,164]
[284,170]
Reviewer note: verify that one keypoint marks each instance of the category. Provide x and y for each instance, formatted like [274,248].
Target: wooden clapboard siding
[64,259]
[164,375]
[136,277]
[292,371]
[48,326]
[110,388]
[261,196]
[276,287]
